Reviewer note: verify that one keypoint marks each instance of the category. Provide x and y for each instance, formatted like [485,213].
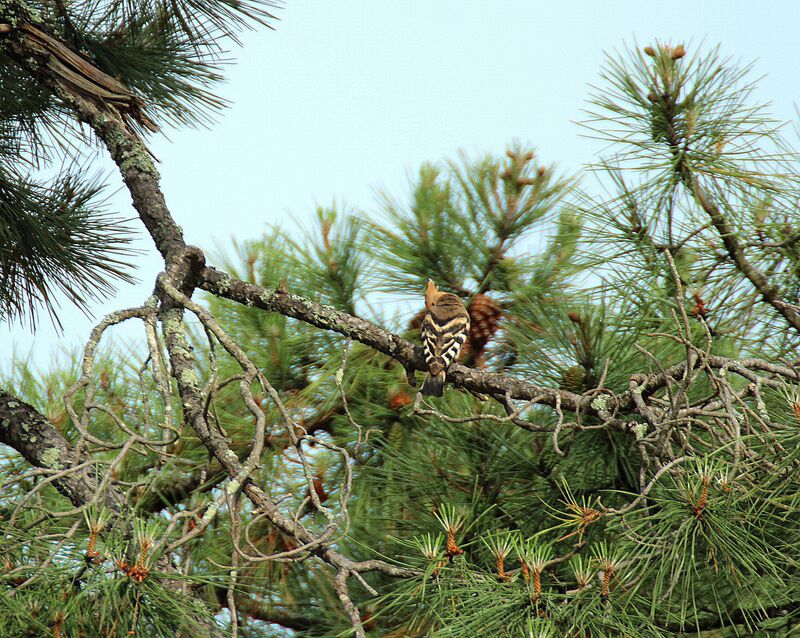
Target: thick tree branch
[140,176]
[410,355]
[404,352]
[26,430]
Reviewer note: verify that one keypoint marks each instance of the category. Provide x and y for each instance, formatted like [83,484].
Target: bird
[444,330]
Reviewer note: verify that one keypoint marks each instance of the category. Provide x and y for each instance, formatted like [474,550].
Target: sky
[345,99]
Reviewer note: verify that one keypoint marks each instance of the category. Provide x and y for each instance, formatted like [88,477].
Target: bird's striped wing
[443,339]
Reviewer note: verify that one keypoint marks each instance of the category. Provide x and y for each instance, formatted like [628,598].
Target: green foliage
[155,59]
[462,228]
[81,596]
[672,122]
[24,109]
[331,260]
[56,238]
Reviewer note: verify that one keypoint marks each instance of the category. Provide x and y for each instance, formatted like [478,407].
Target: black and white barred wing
[442,339]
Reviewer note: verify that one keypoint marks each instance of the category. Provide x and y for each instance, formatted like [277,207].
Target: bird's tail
[434,385]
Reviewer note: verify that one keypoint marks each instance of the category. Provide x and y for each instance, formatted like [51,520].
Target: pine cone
[573,379]
[484,315]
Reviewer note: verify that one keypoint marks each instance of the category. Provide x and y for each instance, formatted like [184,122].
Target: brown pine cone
[485,317]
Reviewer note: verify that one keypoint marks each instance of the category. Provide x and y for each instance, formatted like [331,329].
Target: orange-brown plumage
[444,331]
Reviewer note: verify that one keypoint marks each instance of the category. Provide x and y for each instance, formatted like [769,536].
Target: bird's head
[431,294]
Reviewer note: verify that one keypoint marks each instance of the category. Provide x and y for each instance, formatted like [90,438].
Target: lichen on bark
[51,458]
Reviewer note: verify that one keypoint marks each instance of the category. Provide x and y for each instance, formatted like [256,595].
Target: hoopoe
[444,330]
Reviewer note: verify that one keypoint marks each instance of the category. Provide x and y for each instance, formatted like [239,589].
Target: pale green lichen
[114,139]
[171,323]
[211,512]
[266,297]
[129,155]
[50,458]
[640,429]
[190,379]
[12,14]
[33,439]
[231,455]
[232,486]
[174,326]
[13,404]
[600,402]
[138,159]
[224,283]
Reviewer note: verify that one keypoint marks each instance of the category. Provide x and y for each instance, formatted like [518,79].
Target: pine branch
[727,233]
[411,358]
[737,617]
[56,237]
[266,613]
[23,428]
[685,112]
[769,292]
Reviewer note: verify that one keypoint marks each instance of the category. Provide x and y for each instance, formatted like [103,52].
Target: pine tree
[616,454]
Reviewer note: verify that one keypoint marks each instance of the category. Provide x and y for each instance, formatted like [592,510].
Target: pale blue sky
[347,97]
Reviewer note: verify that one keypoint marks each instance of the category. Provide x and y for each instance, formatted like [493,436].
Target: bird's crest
[431,294]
